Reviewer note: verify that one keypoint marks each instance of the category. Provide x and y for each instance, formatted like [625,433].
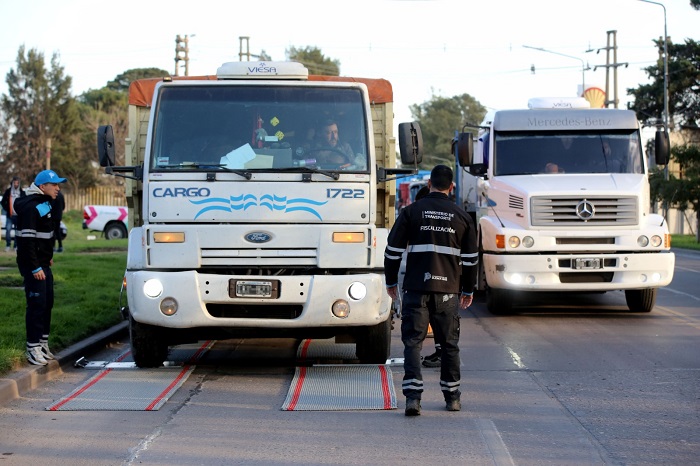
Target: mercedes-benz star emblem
[585,210]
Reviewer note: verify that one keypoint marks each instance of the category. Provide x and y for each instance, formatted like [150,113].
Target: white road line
[516,359]
[494,442]
[666,288]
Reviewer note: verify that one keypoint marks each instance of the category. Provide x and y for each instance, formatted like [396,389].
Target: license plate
[253,288]
[587,264]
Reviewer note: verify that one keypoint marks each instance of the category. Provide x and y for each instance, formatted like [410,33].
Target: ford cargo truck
[242,224]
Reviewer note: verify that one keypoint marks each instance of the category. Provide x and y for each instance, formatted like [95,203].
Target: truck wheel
[115,231]
[148,347]
[641,300]
[373,343]
[498,301]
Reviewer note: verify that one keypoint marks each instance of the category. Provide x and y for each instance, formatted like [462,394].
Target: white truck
[560,192]
[112,221]
[237,230]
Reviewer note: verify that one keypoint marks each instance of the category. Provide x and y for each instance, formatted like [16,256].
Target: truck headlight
[513,241]
[153,288]
[528,241]
[656,241]
[643,241]
[357,291]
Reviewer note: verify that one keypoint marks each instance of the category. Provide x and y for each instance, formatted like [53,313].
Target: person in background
[8,200]
[440,241]
[34,234]
[58,205]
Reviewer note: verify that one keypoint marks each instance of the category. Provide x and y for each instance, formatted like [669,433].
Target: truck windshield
[259,128]
[520,153]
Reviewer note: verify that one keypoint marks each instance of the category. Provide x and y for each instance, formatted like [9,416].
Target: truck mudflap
[195,299]
[578,272]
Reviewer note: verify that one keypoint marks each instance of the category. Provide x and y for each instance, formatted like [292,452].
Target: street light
[583,65]
[665,116]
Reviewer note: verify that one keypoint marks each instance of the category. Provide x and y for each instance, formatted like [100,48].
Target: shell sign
[595,96]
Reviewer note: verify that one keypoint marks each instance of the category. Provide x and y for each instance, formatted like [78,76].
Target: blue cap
[48,176]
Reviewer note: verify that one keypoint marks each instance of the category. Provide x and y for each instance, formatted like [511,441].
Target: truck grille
[581,211]
[261,257]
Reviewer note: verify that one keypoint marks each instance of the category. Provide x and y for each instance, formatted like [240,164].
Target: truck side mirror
[463,149]
[662,147]
[410,143]
[478,169]
[105,146]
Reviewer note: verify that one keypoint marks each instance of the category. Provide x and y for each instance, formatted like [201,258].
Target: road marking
[494,442]
[666,288]
[516,359]
[680,317]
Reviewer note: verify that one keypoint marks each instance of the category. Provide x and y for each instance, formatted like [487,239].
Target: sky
[424,48]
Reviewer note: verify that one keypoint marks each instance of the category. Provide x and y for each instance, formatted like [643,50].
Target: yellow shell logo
[595,96]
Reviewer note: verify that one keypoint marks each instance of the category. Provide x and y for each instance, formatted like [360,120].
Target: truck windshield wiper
[331,174]
[219,166]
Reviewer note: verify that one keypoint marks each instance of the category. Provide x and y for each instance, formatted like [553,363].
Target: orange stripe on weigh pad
[340,388]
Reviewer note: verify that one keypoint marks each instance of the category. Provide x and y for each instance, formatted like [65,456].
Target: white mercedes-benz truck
[243,224]
[560,192]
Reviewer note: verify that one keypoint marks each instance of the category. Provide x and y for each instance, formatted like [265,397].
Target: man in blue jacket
[440,241]
[35,232]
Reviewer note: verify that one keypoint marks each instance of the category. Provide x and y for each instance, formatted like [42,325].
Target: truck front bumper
[579,272]
[303,301]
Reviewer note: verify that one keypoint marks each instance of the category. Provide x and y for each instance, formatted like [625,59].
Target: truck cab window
[264,128]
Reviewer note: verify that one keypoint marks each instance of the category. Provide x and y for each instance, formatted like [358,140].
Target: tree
[39,108]
[122,81]
[439,118]
[683,86]
[314,60]
[682,191]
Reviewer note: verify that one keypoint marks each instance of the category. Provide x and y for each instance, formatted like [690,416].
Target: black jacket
[440,240]
[35,227]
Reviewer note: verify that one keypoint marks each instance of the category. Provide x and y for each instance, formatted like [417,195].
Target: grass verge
[685,242]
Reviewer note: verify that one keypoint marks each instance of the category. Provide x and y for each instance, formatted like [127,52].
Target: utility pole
[246,53]
[48,150]
[614,65]
[182,51]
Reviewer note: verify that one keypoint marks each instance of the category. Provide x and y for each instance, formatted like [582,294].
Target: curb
[25,379]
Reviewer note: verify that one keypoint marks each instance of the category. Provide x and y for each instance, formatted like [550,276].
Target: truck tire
[641,300]
[373,343]
[148,347]
[498,301]
[115,231]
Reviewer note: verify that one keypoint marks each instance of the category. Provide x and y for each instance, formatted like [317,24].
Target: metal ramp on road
[121,386]
[112,389]
[334,387]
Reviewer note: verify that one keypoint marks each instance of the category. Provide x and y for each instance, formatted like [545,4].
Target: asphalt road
[571,379]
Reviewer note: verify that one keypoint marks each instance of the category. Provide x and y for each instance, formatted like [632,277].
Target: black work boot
[453,404]
[412,407]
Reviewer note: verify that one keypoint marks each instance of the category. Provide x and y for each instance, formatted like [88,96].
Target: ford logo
[258,237]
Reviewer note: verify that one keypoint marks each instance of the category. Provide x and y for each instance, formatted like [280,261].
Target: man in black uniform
[440,241]
[35,230]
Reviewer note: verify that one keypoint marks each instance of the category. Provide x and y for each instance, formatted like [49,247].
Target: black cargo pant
[39,294]
[417,310]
